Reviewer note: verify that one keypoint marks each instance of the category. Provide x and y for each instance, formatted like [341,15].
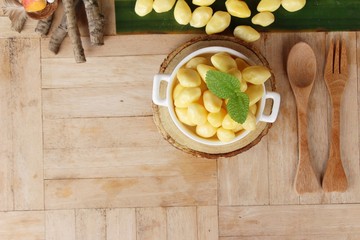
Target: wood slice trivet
[169,130]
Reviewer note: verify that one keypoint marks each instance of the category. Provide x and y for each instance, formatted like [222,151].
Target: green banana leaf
[317,15]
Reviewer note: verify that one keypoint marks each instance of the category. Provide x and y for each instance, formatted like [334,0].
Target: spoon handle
[305,179]
[335,177]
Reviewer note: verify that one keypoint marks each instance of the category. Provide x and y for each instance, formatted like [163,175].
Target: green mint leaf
[222,84]
[238,107]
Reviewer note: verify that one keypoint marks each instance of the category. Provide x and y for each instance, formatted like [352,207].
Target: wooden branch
[73,31]
[43,25]
[96,22]
[58,36]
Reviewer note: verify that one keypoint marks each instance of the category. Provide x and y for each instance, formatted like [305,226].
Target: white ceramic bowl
[168,100]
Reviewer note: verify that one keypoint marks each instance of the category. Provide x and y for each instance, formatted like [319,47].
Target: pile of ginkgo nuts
[203,15]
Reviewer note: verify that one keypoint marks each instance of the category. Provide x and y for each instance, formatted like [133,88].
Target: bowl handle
[275,108]
[158,78]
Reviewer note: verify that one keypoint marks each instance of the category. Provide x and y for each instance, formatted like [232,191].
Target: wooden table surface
[81,158]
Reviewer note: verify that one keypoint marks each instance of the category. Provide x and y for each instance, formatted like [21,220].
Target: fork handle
[335,177]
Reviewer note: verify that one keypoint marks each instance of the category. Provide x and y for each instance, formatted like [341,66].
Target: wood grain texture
[345,236]
[115,72]
[236,173]
[22,225]
[121,223]
[131,192]
[349,124]
[290,220]
[101,133]
[90,224]
[207,222]
[181,223]
[122,45]
[6,131]
[27,124]
[151,223]
[123,162]
[301,71]
[282,172]
[98,102]
[60,224]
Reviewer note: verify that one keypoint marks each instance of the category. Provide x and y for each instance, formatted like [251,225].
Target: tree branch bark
[96,22]
[73,31]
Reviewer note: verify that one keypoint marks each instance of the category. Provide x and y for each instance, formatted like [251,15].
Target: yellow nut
[229,123]
[215,119]
[246,33]
[218,22]
[143,7]
[201,17]
[177,89]
[203,2]
[293,5]
[263,19]
[205,130]
[203,69]
[238,8]
[187,96]
[268,5]
[188,77]
[212,103]
[197,113]
[253,109]
[225,135]
[256,74]
[182,12]
[241,64]
[196,61]
[163,5]
[237,73]
[255,93]
[182,115]
[250,122]
[223,61]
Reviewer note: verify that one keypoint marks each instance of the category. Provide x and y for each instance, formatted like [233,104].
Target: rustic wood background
[81,158]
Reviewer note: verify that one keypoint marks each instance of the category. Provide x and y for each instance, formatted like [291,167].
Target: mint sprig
[227,86]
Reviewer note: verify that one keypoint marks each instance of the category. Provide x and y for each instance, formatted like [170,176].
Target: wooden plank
[123,162]
[6,131]
[101,133]
[90,224]
[115,72]
[282,138]
[243,179]
[282,162]
[22,225]
[317,119]
[131,192]
[349,128]
[60,224]
[151,223]
[7,32]
[297,220]
[27,124]
[182,223]
[121,223]
[122,45]
[343,236]
[98,102]
[207,222]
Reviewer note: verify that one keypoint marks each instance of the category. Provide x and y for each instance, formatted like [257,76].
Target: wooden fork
[335,75]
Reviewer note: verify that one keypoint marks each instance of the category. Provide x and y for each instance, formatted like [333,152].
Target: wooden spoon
[301,69]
